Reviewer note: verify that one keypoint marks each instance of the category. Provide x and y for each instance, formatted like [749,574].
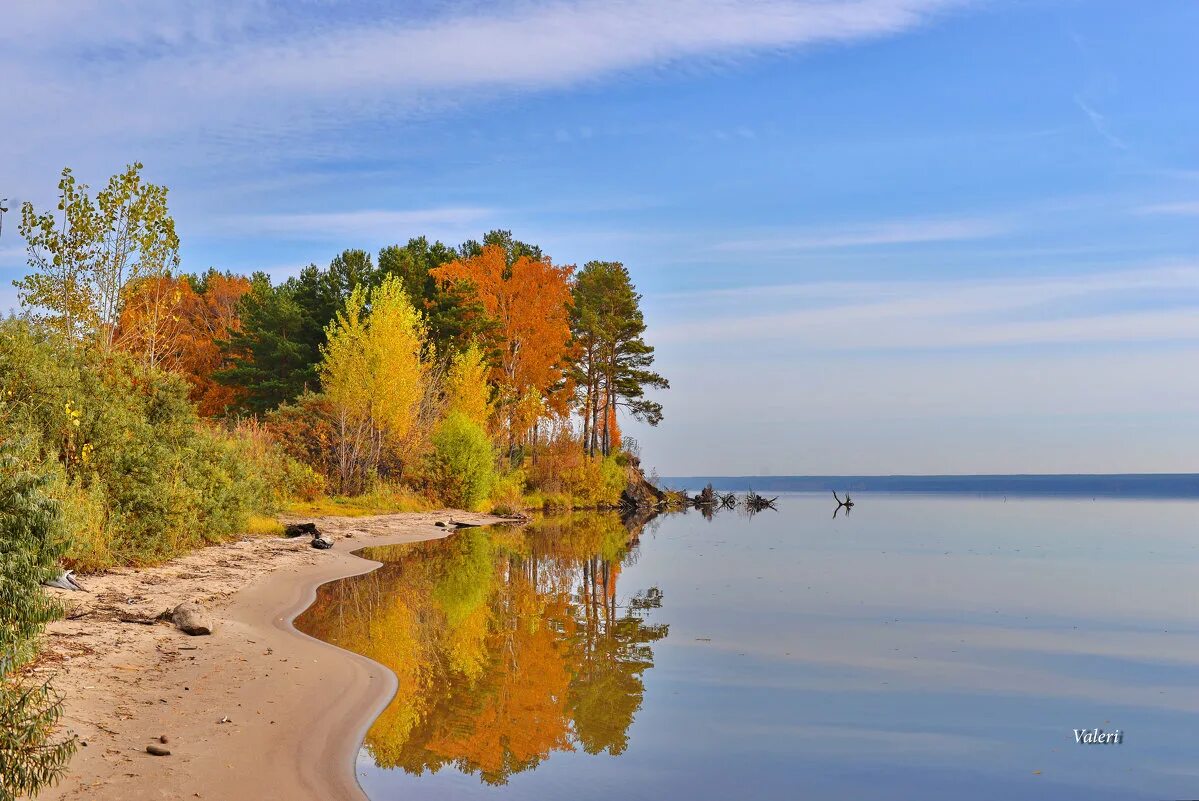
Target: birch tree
[373,372]
[87,253]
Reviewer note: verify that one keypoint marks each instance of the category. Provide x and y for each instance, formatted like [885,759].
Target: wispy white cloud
[372,224]
[888,232]
[264,70]
[1186,208]
[873,315]
[1100,123]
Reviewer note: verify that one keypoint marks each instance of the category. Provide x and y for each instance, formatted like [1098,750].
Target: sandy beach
[254,711]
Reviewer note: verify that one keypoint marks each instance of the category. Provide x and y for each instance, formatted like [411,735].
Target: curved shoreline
[368,709]
[258,710]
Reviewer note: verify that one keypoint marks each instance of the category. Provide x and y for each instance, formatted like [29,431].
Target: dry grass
[263,526]
[381,499]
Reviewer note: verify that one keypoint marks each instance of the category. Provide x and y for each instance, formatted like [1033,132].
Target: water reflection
[509,644]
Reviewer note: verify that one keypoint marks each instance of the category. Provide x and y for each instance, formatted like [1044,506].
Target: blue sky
[873,236]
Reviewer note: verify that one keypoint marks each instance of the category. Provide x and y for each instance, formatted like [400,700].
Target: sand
[255,711]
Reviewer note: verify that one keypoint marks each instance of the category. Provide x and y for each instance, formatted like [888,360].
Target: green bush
[462,465]
[144,478]
[30,545]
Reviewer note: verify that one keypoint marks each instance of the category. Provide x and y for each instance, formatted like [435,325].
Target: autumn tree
[613,362]
[276,353]
[84,262]
[455,316]
[210,314]
[373,372]
[178,324]
[466,387]
[150,324]
[528,299]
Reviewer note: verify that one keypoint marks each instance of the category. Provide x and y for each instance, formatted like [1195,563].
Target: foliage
[178,324]
[374,377]
[30,544]
[463,462]
[454,316]
[528,298]
[466,388]
[507,496]
[613,361]
[144,477]
[571,477]
[275,356]
[272,358]
[82,266]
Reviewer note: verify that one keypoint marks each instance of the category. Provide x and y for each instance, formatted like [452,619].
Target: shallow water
[926,646]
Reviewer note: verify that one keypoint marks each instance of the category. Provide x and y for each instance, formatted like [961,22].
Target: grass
[263,526]
[380,500]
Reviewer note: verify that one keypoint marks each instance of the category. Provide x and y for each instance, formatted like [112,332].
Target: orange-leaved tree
[167,323]
[529,302]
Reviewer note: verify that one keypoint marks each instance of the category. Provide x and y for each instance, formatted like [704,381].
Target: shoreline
[258,709]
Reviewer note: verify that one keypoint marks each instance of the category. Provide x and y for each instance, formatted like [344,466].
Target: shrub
[142,477]
[507,496]
[563,468]
[30,544]
[462,468]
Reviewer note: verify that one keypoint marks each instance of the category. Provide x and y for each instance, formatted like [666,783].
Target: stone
[158,750]
[320,543]
[301,530]
[191,618]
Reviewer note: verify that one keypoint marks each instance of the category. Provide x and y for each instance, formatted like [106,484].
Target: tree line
[146,410]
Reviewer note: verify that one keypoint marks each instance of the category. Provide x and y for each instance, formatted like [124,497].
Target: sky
[873,236]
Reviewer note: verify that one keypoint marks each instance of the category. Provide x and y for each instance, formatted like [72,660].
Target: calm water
[925,647]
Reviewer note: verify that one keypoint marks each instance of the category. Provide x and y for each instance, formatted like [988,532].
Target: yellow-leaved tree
[373,374]
[466,387]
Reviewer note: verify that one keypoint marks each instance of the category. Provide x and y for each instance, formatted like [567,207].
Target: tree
[613,361]
[276,355]
[59,289]
[210,315]
[373,372]
[30,544]
[178,324]
[528,298]
[271,358]
[466,387]
[455,317]
[84,264]
[150,324]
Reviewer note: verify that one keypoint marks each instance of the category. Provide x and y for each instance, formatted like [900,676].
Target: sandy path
[297,708]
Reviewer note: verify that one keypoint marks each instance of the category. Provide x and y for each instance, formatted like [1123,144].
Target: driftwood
[755,503]
[301,530]
[846,504]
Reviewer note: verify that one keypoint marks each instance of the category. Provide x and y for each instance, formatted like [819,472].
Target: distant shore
[1113,485]
[255,711]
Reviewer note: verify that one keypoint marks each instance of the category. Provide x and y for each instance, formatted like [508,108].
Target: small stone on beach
[157,750]
[191,619]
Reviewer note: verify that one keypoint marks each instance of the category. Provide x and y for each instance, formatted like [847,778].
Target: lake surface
[924,647]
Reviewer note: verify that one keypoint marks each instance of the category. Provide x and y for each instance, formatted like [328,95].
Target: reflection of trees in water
[509,644]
